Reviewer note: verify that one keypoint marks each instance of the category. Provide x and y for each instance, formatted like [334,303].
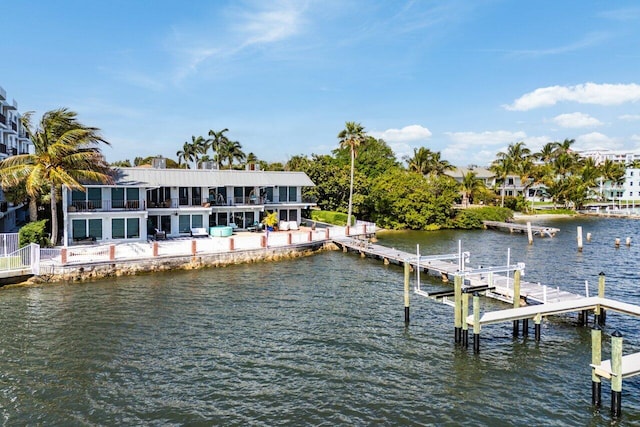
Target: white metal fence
[181,247]
[8,243]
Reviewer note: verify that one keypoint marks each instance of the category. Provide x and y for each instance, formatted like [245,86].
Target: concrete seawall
[106,269]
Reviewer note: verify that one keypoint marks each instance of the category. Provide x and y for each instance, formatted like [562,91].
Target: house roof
[153,177]
[482,173]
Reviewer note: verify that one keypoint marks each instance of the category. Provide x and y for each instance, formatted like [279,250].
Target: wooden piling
[600,313]
[476,322]
[537,320]
[596,359]
[457,317]
[516,299]
[579,238]
[588,237]
[628,241]
[617,242]
[465,314]
[529,233]
[406,292]
[616,374]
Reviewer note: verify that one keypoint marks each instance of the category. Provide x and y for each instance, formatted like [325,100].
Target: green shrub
[329,217]
[34,232]
[473,217]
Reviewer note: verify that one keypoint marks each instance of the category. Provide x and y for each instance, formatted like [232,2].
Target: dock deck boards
[536,230]
[630,367]
[531,293]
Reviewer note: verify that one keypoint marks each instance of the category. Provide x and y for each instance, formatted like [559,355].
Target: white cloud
[576,120]
[406,134]
[635,137]
[588,93]
[596,140]
[629,117]
[486,138]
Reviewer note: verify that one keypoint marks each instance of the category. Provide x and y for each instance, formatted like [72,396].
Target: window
[283,194]
[94,195]
[184,223]
[293,194]
[196,221]
[133,228]
[79,228]
[117,198]
[269,194]
[509,181]
[95,228]
[196,196]
[117,228]
[183,196]
[293,215]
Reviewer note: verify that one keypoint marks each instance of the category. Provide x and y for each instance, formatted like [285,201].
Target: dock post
[616,377]
[600,313]
[406,292]
[525,327]
[465,325]
[537,320]
[516,299]
[596,359]
[529,233]
[628,241]
[476,323]
[579,238]
[457,296]
[588,237]
[617,243]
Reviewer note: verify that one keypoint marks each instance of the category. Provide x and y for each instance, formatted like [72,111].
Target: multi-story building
[13,141]
[143,201]
[629,189]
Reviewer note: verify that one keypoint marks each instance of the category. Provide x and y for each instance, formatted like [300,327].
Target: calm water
[313,341]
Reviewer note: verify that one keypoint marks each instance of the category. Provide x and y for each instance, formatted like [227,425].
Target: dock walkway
[499,286]
[512,227]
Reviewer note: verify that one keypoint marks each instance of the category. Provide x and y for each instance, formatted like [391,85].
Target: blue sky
[465,78]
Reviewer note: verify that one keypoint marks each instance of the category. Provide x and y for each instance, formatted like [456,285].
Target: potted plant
[270,220]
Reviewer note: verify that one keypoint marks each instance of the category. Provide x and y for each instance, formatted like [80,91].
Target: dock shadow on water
[317,340]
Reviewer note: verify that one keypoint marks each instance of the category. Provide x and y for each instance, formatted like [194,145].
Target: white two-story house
[143,201]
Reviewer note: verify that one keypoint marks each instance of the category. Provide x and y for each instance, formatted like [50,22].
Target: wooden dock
[499,286]
[512,227]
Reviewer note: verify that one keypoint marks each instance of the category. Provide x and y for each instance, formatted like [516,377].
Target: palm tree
[66,153]
[200,146]
[470,184]
[187,154]
[352,136]
[502,167]
[216,141]
[420,162]
[439,166]
[231,150]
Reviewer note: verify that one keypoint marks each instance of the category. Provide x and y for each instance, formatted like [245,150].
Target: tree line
[361,177]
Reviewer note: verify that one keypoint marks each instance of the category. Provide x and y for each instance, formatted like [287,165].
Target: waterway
[314,341]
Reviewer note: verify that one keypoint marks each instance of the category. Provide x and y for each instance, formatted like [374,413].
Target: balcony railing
[106,205]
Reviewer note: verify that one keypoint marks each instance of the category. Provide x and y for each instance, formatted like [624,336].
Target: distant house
[13,141]
[143,201]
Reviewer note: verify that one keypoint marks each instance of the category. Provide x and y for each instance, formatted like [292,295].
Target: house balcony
[3,120]
[106,206]
[3,149]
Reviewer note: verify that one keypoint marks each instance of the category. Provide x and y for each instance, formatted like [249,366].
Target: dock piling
[476,323]
[596,359]
[600,313]
[588,237]
[529,233]
[516,299]
[616,377]
[617,242]
[465,325]
[579,238]
[628,241]
[537,321]
[406,292]
[457,317]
